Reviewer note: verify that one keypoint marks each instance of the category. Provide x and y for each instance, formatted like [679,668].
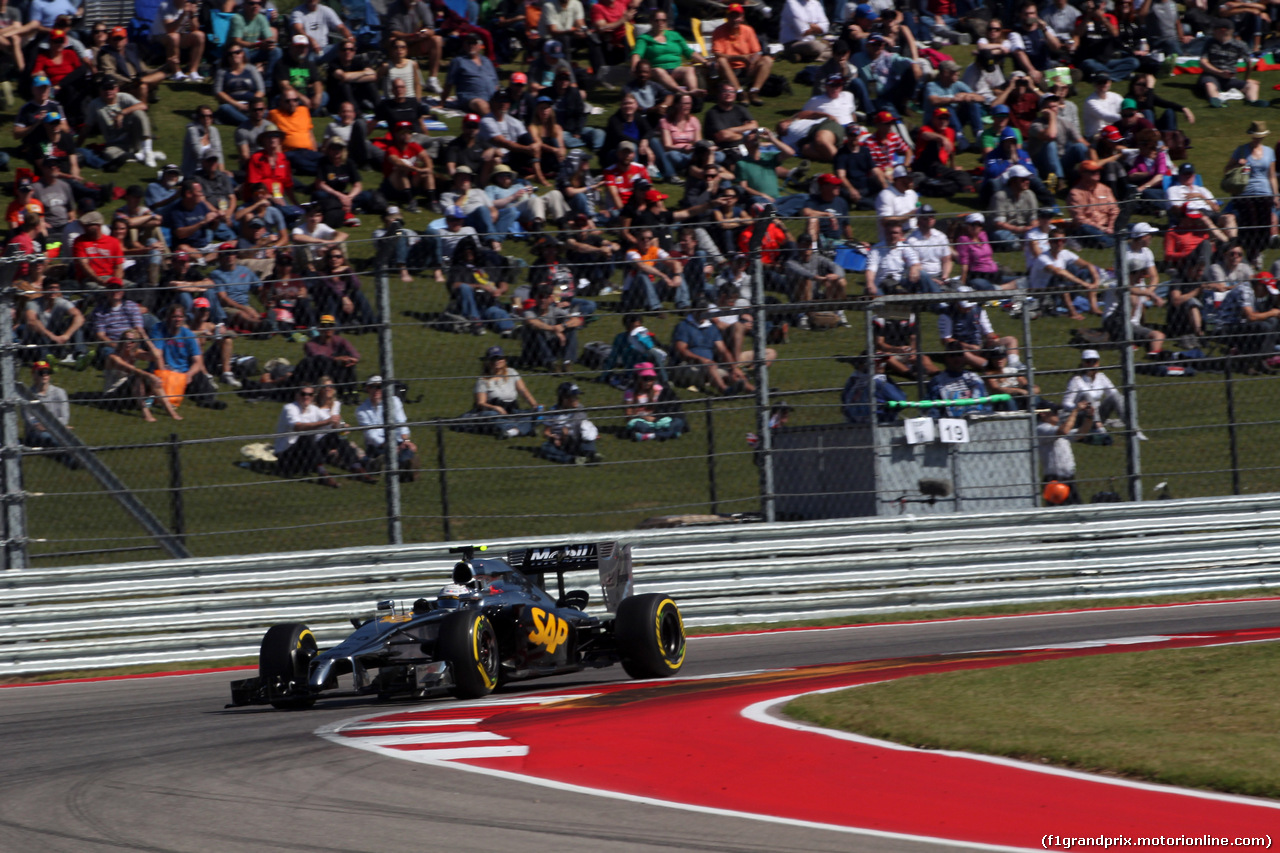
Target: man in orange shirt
[1093,208]
[737,52]
[98,256]
[299,134]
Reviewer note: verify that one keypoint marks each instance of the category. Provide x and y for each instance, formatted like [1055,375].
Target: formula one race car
[496,622]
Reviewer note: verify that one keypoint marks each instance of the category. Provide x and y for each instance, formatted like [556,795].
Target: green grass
[1200,718]
[501,489]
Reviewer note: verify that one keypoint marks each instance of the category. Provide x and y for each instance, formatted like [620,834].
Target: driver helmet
[454,596]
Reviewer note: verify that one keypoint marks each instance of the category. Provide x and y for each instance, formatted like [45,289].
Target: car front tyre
[469,644]
[286,655]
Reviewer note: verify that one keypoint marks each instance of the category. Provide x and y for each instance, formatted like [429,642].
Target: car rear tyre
[650,636]
[286,654]
[469,644]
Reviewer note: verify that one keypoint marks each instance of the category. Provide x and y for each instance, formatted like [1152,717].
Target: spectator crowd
[537,220]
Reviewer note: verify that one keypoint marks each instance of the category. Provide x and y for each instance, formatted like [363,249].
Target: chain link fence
[800,426]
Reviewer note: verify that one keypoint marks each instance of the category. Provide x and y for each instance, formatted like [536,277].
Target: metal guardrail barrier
[177,611]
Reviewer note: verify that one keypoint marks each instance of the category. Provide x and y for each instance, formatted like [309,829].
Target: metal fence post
[177,512]
[1133,462]
[444,483]
[762,368]
[386,367]
[1233,438]
[15,521]
[1029,368]
[711,456]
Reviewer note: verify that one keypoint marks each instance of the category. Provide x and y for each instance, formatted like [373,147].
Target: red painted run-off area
[687,742]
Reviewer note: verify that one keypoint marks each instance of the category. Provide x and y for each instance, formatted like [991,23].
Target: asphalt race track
[159,765]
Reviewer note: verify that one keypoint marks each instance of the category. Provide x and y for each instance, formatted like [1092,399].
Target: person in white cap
[373,416]
[1093,385]
[897,202]
[1013,209]
[1143,279]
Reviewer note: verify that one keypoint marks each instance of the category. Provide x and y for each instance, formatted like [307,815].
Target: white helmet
[453,596]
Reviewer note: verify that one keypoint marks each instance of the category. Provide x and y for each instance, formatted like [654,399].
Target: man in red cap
[739,55]
[98,256]
[828,212]
[57,61]
[406,168]
[465,150]
[886,147]
[121,60]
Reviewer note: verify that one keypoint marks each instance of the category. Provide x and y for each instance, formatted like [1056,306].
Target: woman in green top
[666,51]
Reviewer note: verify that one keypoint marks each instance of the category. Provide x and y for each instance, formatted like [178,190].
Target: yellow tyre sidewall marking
[475,649]
[657,628]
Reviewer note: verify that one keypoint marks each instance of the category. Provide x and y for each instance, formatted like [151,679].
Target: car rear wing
[612,559]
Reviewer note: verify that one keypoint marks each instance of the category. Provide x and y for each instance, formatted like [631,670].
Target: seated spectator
[297,451]
[53,327]
[893,76]
[412,22]
[550,332]
[299,134]
[218,185]
[1039,46]
[335,449]
[701,358]
[316,21]
[966,324]
[1054,141]
[957,381]
[726,124]
[41,124]
[270,168]
[127,386]
[860,179]
[407,170]
[757,172]
[312,235]
[176,28]
[815,277]
[249,131]
[653,276]
[1014,209]
[803,27]
[192,222]
[667,50]
[621,178]
[328,354]
[124,124]
[1092,385]
[338,293]
[143,222]
[1185,194]
[1093,208]
[1247,328]
[121,61]
[352,132]
[56,404]
[286,300]
[233,282]
[351,79]
[978,267]
[114,315]
[1143,280]
[98,257]
[251,30]
[825,116]
[932,246]
[1102,108]
[740,57]
[515,201]
[935,157]
[58,62]
[609,19]
[888,150]
[570,435]
[184,366]
[200,138]
[338,190]
[1000,378]
[1003,158]
[1255,204]
[474,78]
[867,391]
[894,267]
[648,419]
[963,105]
[235,84]
[1148,167]
[546,133]
[1058,270]
[498,393]
[374,415]
[297,75]
[1218,67]
[629,125]
[1099,48]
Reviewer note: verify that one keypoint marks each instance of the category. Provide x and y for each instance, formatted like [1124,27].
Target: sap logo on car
[559,555]
[549,630]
